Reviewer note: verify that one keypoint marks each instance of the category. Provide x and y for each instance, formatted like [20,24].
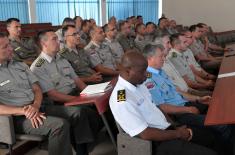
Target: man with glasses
[110,40]
[77,57]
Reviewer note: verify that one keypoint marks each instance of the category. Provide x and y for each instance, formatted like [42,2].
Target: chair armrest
[7,133]
[132,145]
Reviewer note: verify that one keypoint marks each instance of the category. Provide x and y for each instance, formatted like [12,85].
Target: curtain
[55,11]
[122,9]
[14,8]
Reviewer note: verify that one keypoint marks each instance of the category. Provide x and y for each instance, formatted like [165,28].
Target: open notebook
[96,88]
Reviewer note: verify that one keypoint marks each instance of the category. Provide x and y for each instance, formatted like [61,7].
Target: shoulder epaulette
[149,75]
[121,95]
[63,50]
[39,62]
[174,55]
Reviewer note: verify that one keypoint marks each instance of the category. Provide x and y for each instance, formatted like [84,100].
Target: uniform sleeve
[128,117]
[73,75]
[44,80]
[94,58]
[124,44]
[179,66]
[155,92]
[194,49]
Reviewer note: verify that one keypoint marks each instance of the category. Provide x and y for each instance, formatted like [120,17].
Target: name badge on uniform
[121,95]
[4,83]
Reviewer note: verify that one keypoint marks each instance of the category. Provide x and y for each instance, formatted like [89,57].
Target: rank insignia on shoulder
[18,48]
[40,62]
[121,95]
[149,75]
[92,47]
[174,55]
[63,50]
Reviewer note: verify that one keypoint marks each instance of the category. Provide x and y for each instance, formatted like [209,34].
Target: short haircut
[75,18]
[160,19]
[138,26]
[174,39]
[42,34]
[150,50]
[85,23]
[121,24]
[193,28]
[150,23]
[201,24]
[67,21]
[10,20]
[158,39]
[139,16]
[111,18]
[105,28]
[65,29]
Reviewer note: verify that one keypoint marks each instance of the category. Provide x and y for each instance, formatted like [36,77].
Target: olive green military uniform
[84,38]
[100,54]
[116,48]
[141,42]
[126,42]
[181,64]
[16,81]
[79,60]
[25,49]
[57,74]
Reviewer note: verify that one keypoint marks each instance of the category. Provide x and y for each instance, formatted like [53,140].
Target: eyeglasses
[74,34]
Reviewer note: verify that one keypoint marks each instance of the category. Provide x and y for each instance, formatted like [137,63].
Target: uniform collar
[71,50]
[47,57]
[95,44]
[153,70]
[108,40]
[127,84]
[174,50]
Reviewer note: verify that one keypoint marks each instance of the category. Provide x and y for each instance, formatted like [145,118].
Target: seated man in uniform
[188,109]
[132,107]
[124,36]
[178,43]
[151,31]
[207,61]
[172,72]
[100,54]
[110,40]
[77,57]
[140,40]
[60,84]
[21,96]
[194,65]
[24,49]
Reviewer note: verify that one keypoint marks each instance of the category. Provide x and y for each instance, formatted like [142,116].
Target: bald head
[133,67]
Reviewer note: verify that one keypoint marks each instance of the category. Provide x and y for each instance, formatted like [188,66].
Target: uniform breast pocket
[5,86]
[66,71]
[23,76]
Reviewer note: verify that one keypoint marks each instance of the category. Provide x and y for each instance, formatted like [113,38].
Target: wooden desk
[101,101]
[222,105]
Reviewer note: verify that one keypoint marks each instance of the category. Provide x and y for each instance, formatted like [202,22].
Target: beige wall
[220,14]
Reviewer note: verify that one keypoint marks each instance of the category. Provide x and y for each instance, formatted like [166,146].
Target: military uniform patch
[40,62]
[149,75]
[121,95]
[174,55]
[63,50]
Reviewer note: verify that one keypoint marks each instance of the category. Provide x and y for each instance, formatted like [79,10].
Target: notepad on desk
[96,88]
[226,75]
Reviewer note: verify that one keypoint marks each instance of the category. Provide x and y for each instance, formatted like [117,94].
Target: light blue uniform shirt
[162,89]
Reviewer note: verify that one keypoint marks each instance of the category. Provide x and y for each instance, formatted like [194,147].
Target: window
[14,8]
[122,9]
[55,11]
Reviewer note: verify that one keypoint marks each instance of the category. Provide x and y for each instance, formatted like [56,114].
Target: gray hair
[151,49]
